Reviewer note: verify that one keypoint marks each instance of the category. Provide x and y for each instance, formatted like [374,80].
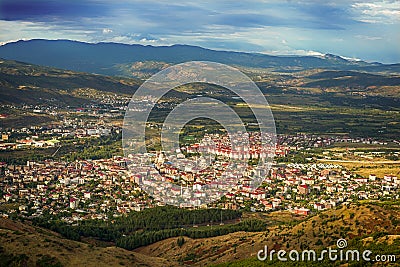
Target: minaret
[161,159]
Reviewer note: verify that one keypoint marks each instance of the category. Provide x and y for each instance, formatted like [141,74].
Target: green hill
[32,84]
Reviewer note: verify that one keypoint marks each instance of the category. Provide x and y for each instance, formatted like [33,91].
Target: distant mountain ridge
[102,58]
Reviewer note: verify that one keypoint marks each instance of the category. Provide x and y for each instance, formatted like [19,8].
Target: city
[191,133]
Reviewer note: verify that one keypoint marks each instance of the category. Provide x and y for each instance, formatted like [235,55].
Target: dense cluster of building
[103,188]
[54,134]
[88,189]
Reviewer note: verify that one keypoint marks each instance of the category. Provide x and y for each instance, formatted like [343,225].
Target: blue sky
[367,30]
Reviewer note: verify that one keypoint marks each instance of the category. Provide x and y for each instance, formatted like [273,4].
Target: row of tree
[150,224]
[168,217]
[144,238]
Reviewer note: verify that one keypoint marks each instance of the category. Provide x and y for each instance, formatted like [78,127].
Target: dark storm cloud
[42,9]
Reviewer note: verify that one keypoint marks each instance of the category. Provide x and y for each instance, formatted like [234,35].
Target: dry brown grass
[328,226]
[17,238]
[284,230]
[364,168]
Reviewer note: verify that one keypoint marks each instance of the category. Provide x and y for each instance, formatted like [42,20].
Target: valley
[67,197]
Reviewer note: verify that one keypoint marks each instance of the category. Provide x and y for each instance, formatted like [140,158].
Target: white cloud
[295,52]
[386,12]
[145,40]
[351,58]
[118,39]
[369,38]
[107,31]
[26,30]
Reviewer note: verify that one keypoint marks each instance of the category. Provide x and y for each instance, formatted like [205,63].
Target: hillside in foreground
[371,225]
[364,221]
[24,245]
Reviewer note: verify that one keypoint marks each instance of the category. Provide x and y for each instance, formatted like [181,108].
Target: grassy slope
[32,84]
[327,226]
[369,221]
[19,239]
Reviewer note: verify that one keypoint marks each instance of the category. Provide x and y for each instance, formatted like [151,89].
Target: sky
[366,30]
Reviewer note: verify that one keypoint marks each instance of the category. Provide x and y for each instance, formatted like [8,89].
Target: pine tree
[180,241]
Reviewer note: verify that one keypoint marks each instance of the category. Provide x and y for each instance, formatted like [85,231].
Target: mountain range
[106,58]
[34,84]
[67,73]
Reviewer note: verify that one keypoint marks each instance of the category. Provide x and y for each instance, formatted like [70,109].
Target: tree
[180,241]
